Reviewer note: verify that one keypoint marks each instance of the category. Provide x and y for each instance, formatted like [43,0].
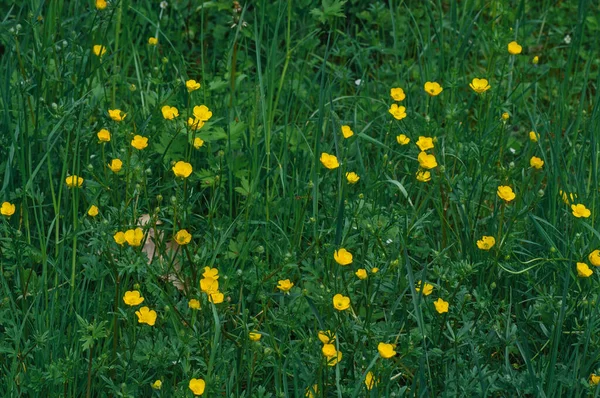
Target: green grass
[281,78]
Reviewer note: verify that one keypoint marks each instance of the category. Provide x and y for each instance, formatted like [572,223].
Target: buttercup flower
[567,198]
[216,297]
[402,139]
[427,288]
[157,385]
[583,271]
[352,177]
[398,112]
[427,161]
[209,285]
[486,242]
[117,115]
[433,88]
[594,258]
[370,380]
[326,337]
[329,350]
[506,193]
[361,274]
[195,124]
[132,297]
[254,336]
[580,210]
[192,85]
[198,142]
[329,161]
[210,273]
[505,116]
[169,112]
[397,94]
[183,237]
[536,162]
[152,41]
[441,306]
[514,48]
[101,4]
[74,181]
[99,50]
[134,236]
[197,386]
[119,237]
[139,142]
[146,315]
[341,302]
[194,304]
[425,143]
[594,379]
[332,361]
[182,169]
[423,176]
[480,85]
[115,165]
[285,285]
[342,256]
[374,270]
[8,209]
[93,211]
[103,135]
[347,132]
[533,136]
[202,113]
[386,350]
[311,392]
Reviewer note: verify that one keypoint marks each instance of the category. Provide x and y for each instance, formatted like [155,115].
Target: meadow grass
[245,239]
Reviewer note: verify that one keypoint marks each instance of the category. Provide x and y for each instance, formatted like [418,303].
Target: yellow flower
[74,181]
[342,257]
[134,236]
[115,165]
[424,143]
[195,124]
[506,193]
[209,285]
[374,270]
[580,210]
[402,139]
[433,88]
[335,359]
[427,161]
[132,297]
[117,115]
[198,142]
[210,273]
[341,302]
[103,135]
[157,385]
[397,94]
[311,392]
[192,85]
[505,116]
[536,162]
[352,177]
[347,132]
[567,198]
[594,379]
[427,288]
[93,211]
[119,237]
[423,176]
[197,386]
[326,337]
[361,274]
[533,136]
[480,85]
[583,271]
[398,112]
[370,380]
[254,336]
[101,4]
[514,48]
[152,41]
[139,142]
[594,258]
[146,315]
[8,209]
[329,350]
[441,306]
[285,285]
[486,242]
[386,350]
[202,113]
[329,161]
[535,60]
[183,237]
[182,169]
[216,297]
[194,304]
[169,112]
[99,50]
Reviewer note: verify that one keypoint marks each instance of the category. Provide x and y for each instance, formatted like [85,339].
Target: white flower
[567,39]
[164,4]
[358,82]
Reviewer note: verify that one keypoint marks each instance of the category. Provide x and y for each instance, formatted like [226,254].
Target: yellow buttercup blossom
[397,94]
[361,274]
[183,237]
[486,242]
[506,193]
[505,116]
[99,50]
[216,297]
[157,385]
[536,162]
[514,48]
[115,165]
[209,285]
[117,115]
[347,132]
[427,161]
[146,315]
[285,285]
[480,85]
[194,304]
[198,142]
[326,337]
[8,209]
[567,198]
[374,270]
[423,176]
[103,135]
[132,298]
[386,350]
[101,4]
[594,258]
[441,306]
[424,143]
[398,112]
[182,169]
[402,139]
[210,273]
[139,142]
[342,256]
[119,237]
[580,211]
[192,85]
[93,211]
[352,177]
[370,380]
[197,386]
[311,392]
[533,136]
[152,41]
[74,181]
[329,350]
[195,124]
[335,359]
[341,302]
[134,236]
[202,113]
[427,288]
[254,336]
[535,60]
[433,88]
[583,270]
[329,161]
[169,112]
[594,379]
